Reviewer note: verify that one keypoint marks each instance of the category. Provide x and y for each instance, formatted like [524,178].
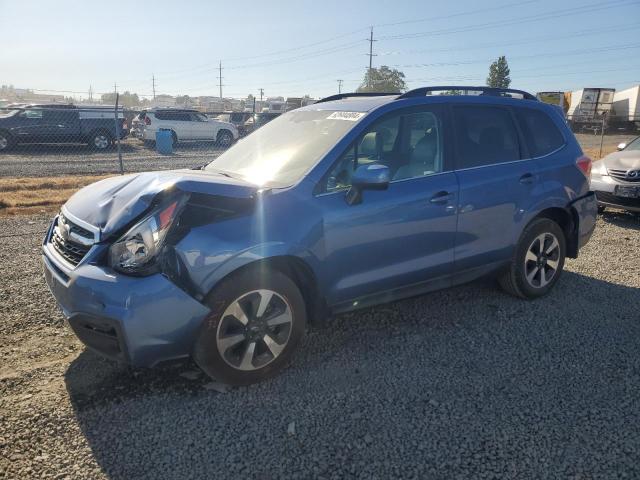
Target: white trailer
[590,108]
[626,108]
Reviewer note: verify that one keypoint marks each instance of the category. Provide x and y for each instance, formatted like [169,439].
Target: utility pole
[90,93]
[220,78]
[153,83]
[371,55]
[339,86]
[115,87]
[261,94]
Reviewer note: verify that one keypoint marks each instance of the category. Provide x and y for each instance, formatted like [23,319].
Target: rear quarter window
[542,136]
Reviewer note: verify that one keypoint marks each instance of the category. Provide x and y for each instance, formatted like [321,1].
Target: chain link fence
[66,139]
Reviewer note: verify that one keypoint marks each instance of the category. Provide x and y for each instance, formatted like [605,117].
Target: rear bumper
[137,320]
[586,209]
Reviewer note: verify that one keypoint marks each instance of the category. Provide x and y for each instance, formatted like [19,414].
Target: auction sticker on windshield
[351,116]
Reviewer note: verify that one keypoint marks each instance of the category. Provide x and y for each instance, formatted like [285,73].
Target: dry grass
[29,195]
[594,153]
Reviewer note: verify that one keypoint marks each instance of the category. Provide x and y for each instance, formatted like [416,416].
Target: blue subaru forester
[348,203]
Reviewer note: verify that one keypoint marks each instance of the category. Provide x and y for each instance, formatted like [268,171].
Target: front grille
[622,175]
[615,200]
[71,251]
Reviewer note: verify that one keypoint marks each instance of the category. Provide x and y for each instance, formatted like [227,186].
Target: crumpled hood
[113,203]
[624,160]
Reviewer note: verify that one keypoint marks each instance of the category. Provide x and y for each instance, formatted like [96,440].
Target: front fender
[206,270]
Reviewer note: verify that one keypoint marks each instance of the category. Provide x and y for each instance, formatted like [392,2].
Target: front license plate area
[627,191]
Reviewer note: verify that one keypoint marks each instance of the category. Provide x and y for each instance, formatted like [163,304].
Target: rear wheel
[256,321]
[225,139]
[6,141]
[174,139]
[100,140]
[537,262]
[601,209]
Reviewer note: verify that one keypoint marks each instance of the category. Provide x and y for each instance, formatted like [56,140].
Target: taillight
[584,164]
[147,121]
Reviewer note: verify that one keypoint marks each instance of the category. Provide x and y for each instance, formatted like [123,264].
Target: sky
[293,48]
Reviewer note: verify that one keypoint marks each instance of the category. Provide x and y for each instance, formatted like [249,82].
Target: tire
[6,141]
[601,209]
[174,139]
[100,140]
[232,345]
[524,277]
[224,139]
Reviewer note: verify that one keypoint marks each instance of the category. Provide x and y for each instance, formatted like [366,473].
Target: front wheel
[537,262]
[225,139]
[257,319]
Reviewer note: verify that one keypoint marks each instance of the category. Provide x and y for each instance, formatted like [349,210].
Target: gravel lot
[58,160]
[463,383]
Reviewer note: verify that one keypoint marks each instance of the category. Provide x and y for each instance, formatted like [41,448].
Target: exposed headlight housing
[599,168]
[136,252]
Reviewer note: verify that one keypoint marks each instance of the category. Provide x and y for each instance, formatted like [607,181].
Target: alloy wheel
[101,141]
[541,260]
[254,330]
[4,142]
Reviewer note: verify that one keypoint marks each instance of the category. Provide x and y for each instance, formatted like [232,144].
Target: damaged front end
[125,283]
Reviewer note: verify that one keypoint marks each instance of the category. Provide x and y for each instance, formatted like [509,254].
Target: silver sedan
[616,178]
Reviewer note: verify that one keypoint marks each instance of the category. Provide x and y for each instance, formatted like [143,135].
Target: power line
[514,21]
[459,14]
[581,51]
[605,29]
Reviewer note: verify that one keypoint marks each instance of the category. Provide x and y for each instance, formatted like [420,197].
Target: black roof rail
[495,92]
[340,96]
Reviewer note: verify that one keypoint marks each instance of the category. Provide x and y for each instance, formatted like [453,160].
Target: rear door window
[541,134]
[485,136]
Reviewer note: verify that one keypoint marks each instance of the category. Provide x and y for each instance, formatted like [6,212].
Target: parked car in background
[239,119]
[616,178]
[354,201]
[57,123]
[184,124]
[258,120]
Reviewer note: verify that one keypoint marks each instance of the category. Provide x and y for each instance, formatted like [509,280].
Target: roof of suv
[364,102]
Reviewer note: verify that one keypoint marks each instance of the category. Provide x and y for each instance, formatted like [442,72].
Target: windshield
[284,150]
[635,145]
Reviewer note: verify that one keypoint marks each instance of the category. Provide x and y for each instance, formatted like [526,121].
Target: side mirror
[368,177]
[622,146]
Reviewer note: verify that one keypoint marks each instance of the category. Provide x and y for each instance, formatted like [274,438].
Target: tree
[183,100]
[126,99]
[499,74]
[383,79]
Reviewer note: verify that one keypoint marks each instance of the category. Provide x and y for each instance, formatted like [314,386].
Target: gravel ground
[463,383]
[58,160]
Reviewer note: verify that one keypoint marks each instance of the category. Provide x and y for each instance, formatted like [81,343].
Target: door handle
[441,197]
[527,178]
